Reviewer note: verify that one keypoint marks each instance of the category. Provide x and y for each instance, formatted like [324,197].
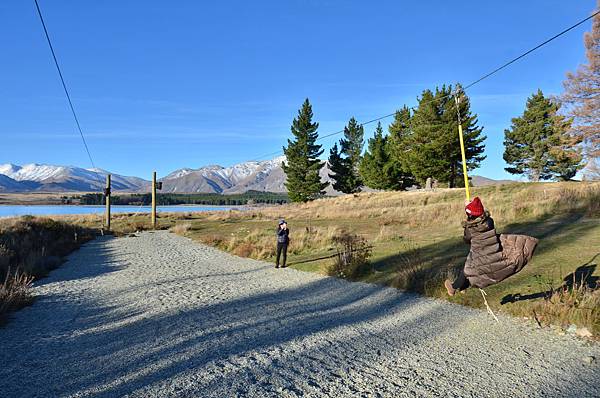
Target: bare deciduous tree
[582,94]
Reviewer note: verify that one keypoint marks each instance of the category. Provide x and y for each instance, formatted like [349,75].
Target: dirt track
[158,315]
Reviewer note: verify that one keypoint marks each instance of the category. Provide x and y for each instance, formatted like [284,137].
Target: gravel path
[158,315]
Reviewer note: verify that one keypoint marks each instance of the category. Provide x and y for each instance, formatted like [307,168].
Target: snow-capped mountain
[254,175]
[44,177]
[261,176]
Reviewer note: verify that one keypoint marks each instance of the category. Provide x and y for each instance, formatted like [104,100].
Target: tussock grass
[181,228]
[34,245]
[15,293]
[579,305]
[30,247]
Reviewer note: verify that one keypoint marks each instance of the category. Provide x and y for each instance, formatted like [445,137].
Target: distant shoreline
[135,199]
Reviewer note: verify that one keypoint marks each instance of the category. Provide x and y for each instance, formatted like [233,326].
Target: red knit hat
[475,207]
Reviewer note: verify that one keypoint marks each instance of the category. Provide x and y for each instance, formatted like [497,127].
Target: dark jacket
[283,235]
[494,257]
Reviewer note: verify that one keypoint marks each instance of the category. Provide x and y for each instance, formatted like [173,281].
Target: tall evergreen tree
[536,144]
[397,146]
[424,157]
[338,168]
[344,164]
[302,163]
[472,134]
[433,148]
[373,166]
[581,96]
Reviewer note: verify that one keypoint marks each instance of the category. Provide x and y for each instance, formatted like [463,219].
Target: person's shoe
[277,266]
[449,288]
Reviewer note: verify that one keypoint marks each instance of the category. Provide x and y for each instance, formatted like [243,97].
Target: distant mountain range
[49,178]
[259,176]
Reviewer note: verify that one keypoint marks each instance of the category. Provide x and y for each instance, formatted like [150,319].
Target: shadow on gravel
[105,263]
[116,352]
[91,349]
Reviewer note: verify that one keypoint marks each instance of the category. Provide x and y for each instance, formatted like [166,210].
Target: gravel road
[158,315]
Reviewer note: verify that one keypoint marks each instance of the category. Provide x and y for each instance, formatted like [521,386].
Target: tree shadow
[121,341]
[105,263]
[422,266]
[581,277]
[111,346]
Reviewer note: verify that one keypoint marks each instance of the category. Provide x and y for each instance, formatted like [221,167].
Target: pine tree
[344,164]
[338,168]
[581,96]
[433,148]
[424,157]
[472,134]
[397,146]
[302,163]
[536,144]
[373,167]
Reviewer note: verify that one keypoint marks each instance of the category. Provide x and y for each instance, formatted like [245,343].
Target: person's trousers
[281,249]
[461,282]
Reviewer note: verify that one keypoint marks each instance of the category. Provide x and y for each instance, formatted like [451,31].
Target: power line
[87,149]
[468,86]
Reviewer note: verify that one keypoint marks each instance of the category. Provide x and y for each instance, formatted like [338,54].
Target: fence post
[154,200]
[107,201]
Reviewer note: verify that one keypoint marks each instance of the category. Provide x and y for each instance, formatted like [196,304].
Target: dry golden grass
[29,248]
[579,305]
[181,228]
[15,293]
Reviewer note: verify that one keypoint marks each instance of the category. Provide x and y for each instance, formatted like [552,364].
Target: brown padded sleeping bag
[494,257]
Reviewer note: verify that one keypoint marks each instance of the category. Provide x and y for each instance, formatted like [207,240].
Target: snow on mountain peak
[31,171]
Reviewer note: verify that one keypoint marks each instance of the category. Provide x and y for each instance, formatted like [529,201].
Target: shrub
[352,258]
[15,292]
[244,249]
[577,301]
[28,243]
[410,263]
[30,247]
[181,229]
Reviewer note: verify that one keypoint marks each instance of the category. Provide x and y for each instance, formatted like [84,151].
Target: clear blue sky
[164,85]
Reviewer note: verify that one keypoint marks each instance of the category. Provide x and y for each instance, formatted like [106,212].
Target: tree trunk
[452,182]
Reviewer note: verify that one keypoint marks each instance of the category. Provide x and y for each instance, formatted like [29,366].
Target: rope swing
[466,177]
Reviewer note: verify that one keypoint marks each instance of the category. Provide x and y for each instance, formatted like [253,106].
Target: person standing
[283,238]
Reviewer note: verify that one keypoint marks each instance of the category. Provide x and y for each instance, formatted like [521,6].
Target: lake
[42,210]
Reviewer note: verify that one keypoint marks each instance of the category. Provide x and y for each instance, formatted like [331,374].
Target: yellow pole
[107,202]
[462,150]
[464,161]
[154,200]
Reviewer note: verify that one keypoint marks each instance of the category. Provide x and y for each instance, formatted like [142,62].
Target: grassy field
[417,241]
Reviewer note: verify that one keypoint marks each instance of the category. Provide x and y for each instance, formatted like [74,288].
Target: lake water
[18,210]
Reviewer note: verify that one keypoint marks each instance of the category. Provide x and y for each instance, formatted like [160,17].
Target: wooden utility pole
[107,200]
[154,200]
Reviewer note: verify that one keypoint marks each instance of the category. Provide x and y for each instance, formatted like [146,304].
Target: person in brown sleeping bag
[492,257]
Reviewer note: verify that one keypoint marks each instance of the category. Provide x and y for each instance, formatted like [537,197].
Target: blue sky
[164,85]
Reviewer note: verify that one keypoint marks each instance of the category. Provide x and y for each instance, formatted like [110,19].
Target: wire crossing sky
[456,91]
[162,86]
[62,80]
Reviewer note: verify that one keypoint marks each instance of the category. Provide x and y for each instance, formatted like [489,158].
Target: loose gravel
[157,315]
